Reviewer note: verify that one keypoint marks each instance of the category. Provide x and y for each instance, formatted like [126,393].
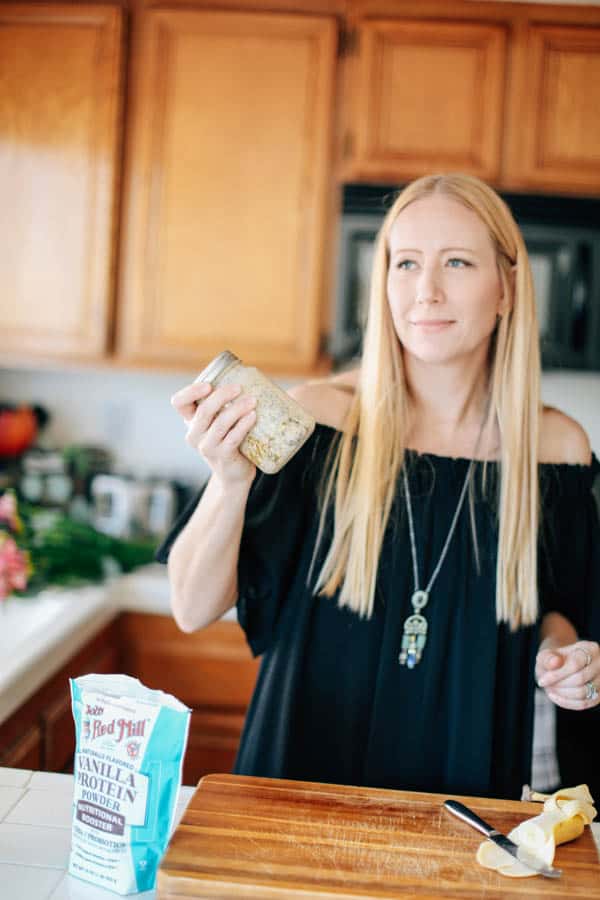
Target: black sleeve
[274,539]
[578,731]
[569,572]
[276,543]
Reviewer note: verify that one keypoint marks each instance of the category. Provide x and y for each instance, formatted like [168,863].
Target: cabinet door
[429,98]
[40,733]
[26,753]
[57,715]
[212,744]
[554,133]
[227,188]
[60,78]
[59,733]
[211,670]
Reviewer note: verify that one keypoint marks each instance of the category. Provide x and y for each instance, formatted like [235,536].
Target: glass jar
[281,426]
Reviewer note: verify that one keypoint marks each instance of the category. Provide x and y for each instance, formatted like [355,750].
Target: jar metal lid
[218,365]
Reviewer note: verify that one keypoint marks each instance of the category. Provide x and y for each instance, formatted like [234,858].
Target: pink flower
[8,511]
[14,567]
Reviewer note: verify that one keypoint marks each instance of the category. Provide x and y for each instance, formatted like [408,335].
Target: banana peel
[565,815]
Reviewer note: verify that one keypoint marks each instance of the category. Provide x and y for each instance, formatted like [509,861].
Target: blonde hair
[363,471]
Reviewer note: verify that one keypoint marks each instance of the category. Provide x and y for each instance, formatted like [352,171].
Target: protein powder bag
[130,743]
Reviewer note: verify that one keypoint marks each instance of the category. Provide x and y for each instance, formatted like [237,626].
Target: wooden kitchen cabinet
[508,92]
[553,130]
[60,90]
[59,729]
[27,752]
[215,228]
[429,97]
[226,188]
[212,671]
[41,734]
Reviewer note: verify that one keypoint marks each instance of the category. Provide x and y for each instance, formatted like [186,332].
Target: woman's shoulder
[562,439]
[328,401]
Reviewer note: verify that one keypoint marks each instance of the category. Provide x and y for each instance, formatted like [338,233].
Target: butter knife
[524,856]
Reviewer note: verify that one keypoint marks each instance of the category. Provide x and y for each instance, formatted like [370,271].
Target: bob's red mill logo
[118,729]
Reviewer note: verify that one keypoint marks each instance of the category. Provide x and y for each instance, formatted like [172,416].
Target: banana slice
[572,801]
[491,856]
[565,815]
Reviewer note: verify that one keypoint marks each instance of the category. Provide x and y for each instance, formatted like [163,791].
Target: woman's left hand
[570,675]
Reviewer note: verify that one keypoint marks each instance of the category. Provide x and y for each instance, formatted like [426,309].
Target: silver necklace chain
[411,528]
[416,626]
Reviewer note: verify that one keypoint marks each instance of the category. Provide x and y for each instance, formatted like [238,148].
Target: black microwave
[563,240]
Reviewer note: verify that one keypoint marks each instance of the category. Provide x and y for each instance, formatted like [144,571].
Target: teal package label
[130,745]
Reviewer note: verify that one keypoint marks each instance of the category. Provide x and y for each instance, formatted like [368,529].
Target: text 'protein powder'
[130,743]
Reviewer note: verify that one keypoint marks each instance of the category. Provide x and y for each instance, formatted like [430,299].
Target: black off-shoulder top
[333,704]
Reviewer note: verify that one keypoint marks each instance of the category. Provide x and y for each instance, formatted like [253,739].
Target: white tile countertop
[40,634]
[35,838]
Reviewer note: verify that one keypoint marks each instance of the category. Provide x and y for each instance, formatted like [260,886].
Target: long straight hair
[363,472]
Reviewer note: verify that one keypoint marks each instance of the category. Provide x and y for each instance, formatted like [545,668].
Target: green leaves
[66,552]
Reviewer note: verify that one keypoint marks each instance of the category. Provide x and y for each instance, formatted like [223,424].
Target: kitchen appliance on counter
[60,477]
[45,480]
[562,235]
[125,507]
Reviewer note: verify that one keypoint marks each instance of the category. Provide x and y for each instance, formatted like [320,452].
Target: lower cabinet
[212,671]
[212,743]
[40,734]
[27,752]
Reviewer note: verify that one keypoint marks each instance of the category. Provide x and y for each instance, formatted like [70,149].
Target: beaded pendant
[414,635]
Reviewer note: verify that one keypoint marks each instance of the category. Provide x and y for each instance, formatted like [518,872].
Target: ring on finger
[591,691]
[587,654]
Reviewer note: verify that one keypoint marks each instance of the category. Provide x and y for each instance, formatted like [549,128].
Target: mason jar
[281,426]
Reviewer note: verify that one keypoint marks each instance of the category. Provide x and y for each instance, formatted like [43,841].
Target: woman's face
[443,283]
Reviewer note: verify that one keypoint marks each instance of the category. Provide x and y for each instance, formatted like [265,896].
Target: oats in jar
[281,426]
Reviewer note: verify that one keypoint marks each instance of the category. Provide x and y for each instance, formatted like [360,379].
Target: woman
[399,573]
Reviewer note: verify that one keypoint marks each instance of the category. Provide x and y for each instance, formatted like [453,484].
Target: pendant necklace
[415,625]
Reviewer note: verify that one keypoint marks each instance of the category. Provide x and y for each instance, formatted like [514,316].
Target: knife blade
[524,856]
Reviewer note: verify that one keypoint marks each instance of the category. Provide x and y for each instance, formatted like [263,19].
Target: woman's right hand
[218,420]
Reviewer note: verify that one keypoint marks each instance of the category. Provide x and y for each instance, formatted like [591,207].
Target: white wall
[130,413]
[578,394]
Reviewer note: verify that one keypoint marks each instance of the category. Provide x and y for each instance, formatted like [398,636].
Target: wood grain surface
[270,838]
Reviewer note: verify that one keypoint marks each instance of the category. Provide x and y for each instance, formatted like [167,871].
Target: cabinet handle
[348,145]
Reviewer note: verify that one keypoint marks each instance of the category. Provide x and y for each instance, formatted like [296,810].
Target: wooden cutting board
[266,838]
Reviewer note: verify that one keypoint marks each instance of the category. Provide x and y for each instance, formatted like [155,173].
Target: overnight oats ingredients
[130,743]
[281,426]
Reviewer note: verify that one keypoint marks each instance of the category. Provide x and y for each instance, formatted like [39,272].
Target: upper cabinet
[227,188]
[60,88]
[504,92]
[429,97]
[209,222]
[553,133]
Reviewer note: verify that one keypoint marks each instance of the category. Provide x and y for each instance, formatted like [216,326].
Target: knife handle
[467,815]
